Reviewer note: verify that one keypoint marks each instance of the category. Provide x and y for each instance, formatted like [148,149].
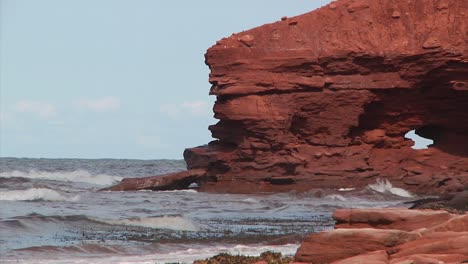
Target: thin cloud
[40,109]
[106,104]
[192,108]
[196,107]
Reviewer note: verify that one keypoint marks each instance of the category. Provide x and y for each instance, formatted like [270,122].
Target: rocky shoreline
[377,236]
[390,235]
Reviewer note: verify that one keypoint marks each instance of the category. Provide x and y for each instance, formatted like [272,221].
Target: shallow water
[52,212]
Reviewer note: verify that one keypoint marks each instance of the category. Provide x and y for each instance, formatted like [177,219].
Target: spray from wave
[71,176]
[384,186]
[36,194]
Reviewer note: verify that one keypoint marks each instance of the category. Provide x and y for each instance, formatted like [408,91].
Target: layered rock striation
[392,235]
[323,100]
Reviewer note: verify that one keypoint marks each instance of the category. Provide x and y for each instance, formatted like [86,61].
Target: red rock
[339,244]
[430,259]
[327,103]
[438,243]
[434,236]
[455,224]
[247,40]
[170,181]
[375,257]
[390,218]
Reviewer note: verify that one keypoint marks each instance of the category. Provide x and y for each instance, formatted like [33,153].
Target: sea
[52,211]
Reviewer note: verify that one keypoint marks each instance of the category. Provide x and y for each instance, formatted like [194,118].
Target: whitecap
[384,186]
[346,189]
[70,176]
[36,194]
[250,200]
[335,197]
[178,223]
[179,191]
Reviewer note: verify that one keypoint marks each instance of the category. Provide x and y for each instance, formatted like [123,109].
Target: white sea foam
[335,197]
[250,200]
[384,186]
[165,222]
[346,189]
[178,191]
[70,176]
[35,194]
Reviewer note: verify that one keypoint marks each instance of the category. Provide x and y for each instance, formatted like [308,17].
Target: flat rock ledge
[389,236]
[171,181]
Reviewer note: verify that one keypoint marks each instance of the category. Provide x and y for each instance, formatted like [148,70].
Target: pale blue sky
[115,78]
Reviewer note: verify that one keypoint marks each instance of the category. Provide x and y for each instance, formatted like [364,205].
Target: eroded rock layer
[389,236]
[325,99]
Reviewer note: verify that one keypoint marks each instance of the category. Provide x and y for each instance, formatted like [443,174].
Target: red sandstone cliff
[325,99]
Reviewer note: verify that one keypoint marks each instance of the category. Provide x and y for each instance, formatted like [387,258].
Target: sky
[115,78]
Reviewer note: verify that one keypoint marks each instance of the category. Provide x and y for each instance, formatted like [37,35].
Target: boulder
[171,181]
[326,247]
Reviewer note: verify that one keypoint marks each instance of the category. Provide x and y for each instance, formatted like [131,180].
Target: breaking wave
[71,176]
[36,194]
[187,255]
[164,222]
[384,186]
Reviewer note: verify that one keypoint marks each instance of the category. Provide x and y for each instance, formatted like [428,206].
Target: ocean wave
[84,248]
[36,194]
[250,200]
[178,191]
[178,223]
[384,186]
[70,176]
[183,255]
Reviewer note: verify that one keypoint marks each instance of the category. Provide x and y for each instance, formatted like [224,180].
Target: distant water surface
[52,212]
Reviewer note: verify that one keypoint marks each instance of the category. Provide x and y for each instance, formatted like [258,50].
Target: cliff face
[325,99]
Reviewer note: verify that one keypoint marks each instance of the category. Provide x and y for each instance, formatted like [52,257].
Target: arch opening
[421,139]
